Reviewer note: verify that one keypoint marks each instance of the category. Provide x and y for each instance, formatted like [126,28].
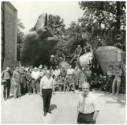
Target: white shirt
[56,72]
[46,83]
[87,104]
[42,73]
[35,74]
[70,71]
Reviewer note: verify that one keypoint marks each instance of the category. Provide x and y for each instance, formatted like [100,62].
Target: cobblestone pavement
[28,109]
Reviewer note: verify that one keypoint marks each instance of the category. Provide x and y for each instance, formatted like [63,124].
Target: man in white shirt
[56,72]
[87,106]
[46,87]
[35,75]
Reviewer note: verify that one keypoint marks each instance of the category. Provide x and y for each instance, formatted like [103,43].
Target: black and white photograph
[63,62]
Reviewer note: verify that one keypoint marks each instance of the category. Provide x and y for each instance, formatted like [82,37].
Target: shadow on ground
[52,107]
[118,101]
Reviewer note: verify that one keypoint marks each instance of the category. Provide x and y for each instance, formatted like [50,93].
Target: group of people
[22,80]
[45,81]
[79,51]
[87,107]
[113,79]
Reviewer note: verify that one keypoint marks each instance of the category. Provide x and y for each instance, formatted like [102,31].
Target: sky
[29,12]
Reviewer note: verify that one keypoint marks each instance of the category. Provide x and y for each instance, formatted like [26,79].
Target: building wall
[9,38]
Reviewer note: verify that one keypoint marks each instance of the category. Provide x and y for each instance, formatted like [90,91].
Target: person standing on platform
[87,106]
[109,79]
[117,80]
[77,53]
[46,88]
[87,48]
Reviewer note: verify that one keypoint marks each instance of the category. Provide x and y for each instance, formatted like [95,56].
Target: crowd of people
[22,80]
[45,80]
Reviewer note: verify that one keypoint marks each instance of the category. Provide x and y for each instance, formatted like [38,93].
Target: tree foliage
[103,23]
[105,20]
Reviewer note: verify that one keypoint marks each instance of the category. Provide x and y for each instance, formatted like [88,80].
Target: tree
[104,19]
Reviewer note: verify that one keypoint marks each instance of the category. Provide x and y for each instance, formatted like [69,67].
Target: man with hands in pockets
[46,88]
[87,108]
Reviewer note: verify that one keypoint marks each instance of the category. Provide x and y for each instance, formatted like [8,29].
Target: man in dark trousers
[46,87]
[6,77]
[87,106]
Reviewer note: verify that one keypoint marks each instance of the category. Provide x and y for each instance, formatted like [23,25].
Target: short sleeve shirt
[46,83]
[35,74]
[88,104]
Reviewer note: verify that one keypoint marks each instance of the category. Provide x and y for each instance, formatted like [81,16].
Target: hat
[40,66]
[35,68]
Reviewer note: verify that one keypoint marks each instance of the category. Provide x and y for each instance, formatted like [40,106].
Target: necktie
[83,105]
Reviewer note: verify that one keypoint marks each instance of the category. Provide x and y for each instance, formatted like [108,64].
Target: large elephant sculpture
[38,44]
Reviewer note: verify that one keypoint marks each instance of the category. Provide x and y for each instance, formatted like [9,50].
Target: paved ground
[28,109]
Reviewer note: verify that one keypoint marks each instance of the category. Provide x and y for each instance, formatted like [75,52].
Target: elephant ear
[45,32]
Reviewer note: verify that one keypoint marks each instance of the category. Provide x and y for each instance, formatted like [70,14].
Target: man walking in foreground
[46,87]
[87,108]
